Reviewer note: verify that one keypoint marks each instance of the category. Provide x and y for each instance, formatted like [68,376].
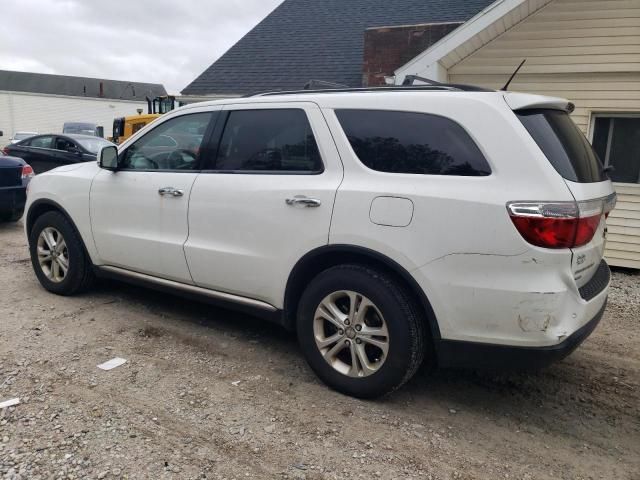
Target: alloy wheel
[53,255]
[351,333]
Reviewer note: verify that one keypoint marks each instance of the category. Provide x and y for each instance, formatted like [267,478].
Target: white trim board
[428,62]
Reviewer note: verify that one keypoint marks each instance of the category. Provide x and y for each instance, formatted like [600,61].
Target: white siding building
[585,50]
[43,103]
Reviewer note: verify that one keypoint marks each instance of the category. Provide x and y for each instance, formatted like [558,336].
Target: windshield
[80,130]
[93,144]
[563,144]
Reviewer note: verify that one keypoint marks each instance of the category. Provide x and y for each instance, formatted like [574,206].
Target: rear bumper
[12,199]
[461,354]
[529,300]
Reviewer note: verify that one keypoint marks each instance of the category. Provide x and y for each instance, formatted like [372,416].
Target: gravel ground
[208,393]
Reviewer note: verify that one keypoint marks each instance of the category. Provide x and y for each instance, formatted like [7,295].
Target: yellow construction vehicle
[124,127]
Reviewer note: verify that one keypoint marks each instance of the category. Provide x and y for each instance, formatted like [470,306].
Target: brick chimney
[388,48]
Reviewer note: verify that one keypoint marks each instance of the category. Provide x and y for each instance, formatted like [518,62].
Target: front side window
[40,142]
[415,143]
[64,144]
[616,139]
[278,140]
[173,145]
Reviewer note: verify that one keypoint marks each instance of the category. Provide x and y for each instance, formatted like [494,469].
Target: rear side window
[277,140]
[39,142]
[407,142]
[563,144]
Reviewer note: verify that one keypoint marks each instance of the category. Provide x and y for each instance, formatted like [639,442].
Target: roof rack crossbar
[410,80]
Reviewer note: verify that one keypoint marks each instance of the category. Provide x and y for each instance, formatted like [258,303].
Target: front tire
[360,331]
[58,256]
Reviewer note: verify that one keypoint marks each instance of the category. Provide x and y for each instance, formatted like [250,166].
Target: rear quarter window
[414,143]
[564,145]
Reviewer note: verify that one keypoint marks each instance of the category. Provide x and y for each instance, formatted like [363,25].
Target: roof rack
[320,86]
[362,89]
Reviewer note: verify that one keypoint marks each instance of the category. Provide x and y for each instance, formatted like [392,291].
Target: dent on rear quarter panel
[508,300]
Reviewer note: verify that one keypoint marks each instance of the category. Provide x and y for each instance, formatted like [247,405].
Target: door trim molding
[184,288]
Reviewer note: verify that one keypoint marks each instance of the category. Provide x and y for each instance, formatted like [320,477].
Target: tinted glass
[63,144]
[93,145]
[268,140]
[40,142]
[563,144]
[173,145]
[79,128]
[601,137]
[406,142]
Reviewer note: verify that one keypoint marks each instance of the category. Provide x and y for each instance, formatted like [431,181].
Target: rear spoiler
[527,101]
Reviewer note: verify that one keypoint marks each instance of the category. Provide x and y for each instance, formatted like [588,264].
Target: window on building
[616,139]
[407,142]
[269,140]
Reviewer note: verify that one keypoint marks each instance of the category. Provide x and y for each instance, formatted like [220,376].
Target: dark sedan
[14,177]
[45,152]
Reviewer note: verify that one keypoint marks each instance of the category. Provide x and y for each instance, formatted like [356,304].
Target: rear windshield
[564,145]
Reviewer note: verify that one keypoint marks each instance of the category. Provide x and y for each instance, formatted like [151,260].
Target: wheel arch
[320,259]
[44,205]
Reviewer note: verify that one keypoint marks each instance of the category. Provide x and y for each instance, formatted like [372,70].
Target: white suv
[385,226]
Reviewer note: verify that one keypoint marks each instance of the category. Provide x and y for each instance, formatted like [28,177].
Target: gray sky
[160,41]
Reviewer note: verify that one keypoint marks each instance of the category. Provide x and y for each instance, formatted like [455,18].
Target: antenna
[504,89]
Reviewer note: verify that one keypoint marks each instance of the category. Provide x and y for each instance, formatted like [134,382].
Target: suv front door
[265,202]
[139,212]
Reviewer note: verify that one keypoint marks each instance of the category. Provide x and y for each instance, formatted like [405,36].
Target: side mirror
[108,158]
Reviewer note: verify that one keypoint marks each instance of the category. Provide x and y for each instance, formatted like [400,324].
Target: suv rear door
[266,200]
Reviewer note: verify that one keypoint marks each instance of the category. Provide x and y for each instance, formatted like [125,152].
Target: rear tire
[58,256]
[361,331]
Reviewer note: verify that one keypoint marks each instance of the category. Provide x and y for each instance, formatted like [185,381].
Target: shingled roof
[317,39]
[78,86]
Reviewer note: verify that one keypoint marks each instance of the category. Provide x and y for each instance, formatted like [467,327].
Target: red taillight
[546,232]
[27,172]
[586,229]
[559,224]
